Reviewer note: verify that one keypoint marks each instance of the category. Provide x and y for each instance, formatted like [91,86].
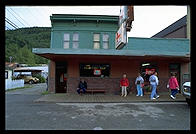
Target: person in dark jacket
[82,86]
[47,83]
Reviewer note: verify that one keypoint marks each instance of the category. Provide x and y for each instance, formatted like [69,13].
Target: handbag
[142,85]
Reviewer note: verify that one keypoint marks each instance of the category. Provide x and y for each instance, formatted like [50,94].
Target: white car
[186,91]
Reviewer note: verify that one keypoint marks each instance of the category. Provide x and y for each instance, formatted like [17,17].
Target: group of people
[139,82]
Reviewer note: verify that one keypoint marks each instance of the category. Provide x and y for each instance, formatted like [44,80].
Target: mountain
[19,44]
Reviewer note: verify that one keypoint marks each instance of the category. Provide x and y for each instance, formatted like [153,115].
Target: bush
[41,78]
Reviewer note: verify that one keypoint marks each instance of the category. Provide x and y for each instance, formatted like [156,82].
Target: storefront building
[83,46]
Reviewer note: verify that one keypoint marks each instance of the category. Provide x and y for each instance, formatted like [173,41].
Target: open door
[61,77]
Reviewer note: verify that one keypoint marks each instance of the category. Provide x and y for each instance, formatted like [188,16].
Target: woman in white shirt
[138,82]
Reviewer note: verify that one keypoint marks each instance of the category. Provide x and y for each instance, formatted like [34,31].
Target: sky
[148,20]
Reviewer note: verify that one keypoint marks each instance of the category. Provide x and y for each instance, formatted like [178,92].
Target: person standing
[47,83]
[173,85]
[139,82]
[154,83]
[124,83]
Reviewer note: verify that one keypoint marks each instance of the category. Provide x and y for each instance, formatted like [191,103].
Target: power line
[11,23]
[16,18]
[8,28]
[20,17]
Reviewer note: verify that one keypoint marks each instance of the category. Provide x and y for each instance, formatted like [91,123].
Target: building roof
[27,69]
[171,28]
[135,47]
[80,17]
[159,46]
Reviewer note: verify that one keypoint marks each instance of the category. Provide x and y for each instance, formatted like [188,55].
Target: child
[124,83]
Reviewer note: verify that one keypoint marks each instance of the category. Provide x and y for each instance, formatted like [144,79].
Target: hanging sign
[121,36]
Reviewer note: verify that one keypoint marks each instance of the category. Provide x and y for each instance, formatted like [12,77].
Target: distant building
[9,83]
[42,70]
[176,30]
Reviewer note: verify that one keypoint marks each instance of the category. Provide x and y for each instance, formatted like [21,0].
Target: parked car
[186,91]
[28,79]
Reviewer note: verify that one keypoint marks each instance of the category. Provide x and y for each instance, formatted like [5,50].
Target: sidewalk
[72,98]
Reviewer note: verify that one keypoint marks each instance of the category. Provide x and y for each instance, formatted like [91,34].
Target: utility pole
[189,36]
[188,23]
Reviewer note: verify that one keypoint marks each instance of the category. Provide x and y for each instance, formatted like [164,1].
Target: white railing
[9,84]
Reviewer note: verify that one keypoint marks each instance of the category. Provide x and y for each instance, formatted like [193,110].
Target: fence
[9,84]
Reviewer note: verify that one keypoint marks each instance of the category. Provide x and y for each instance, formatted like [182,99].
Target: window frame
[95,41]
[66,41]
[75,41]
[94,76]
[105,41]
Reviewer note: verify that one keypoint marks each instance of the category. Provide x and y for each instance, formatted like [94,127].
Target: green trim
[111,52]
[77,17]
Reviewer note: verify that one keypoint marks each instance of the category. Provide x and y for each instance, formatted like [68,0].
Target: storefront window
[94,70]
[147,69]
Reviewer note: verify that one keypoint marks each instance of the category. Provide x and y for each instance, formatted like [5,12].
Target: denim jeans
[139,90]
[174,92]
[83,90]
[153,93]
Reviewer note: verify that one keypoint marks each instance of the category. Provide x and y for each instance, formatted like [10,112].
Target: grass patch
[45,92]
[18,88]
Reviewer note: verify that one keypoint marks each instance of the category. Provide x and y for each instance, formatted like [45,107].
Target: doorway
[61,77]
[175,68]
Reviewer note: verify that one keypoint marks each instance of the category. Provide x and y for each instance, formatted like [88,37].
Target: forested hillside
[19,44]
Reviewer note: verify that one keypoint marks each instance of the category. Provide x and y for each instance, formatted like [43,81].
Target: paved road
[23,113]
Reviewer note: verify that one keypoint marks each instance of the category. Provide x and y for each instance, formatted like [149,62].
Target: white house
[9,83]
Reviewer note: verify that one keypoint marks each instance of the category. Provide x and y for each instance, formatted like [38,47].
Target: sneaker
[153,98]
[157,96]
[141,95]
[172,97]
[137,95]
[122,95]
[125,96]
